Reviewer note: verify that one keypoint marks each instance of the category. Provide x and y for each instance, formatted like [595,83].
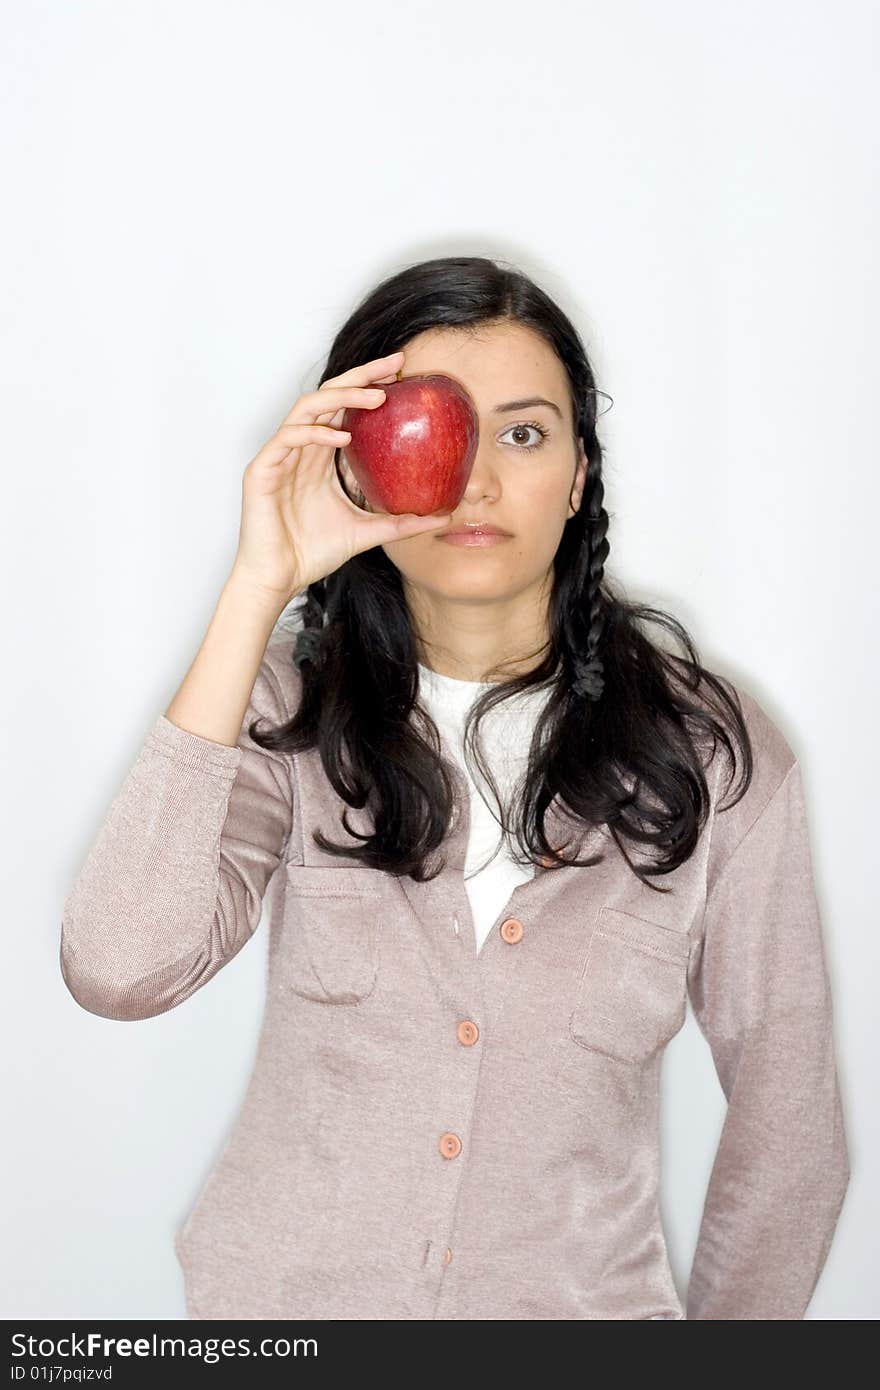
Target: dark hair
[621,737]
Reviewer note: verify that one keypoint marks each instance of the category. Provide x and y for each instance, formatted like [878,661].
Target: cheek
[545,495]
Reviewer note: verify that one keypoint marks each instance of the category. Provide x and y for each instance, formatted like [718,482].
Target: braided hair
[308,640]
[589,677]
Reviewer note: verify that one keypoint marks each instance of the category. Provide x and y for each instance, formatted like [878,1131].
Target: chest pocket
[632,994]
[329,949]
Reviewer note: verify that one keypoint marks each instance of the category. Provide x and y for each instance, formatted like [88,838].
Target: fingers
[381,368]
[303,433]
[328,404]
[323,403]
[287,437]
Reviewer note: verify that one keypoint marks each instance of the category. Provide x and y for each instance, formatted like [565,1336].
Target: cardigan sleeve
[759,987]
[173,885]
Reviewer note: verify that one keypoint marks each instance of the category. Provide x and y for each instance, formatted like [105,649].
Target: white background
[196,194]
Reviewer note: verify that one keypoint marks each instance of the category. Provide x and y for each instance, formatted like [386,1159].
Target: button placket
[471,987]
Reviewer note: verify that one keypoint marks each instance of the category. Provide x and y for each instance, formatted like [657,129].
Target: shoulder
[767,762]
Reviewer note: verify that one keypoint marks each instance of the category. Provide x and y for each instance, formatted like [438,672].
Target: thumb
[412,524]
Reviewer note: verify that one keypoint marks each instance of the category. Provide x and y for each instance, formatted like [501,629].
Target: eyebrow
[524,405]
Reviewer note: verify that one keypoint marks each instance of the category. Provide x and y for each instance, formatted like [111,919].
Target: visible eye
[529,425]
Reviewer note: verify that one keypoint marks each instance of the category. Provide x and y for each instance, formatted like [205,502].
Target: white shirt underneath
[505,735]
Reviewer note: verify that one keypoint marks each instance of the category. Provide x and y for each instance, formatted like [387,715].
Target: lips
[473,538]
[474,528]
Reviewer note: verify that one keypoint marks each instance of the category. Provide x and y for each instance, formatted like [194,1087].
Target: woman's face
[529,491]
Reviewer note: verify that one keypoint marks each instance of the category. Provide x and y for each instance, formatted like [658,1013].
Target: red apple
[415,451]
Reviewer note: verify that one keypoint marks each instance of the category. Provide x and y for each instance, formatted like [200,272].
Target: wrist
[245,592]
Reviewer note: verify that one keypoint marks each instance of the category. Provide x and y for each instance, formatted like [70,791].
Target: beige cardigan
[432,1133]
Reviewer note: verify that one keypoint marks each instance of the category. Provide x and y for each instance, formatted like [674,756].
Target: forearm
[214,695]
[172,886]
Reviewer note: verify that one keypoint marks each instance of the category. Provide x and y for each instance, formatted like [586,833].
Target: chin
[464,588]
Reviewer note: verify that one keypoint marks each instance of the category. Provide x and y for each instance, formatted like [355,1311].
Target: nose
[484,479]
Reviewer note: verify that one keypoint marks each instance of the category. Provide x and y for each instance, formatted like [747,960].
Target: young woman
[503,836]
